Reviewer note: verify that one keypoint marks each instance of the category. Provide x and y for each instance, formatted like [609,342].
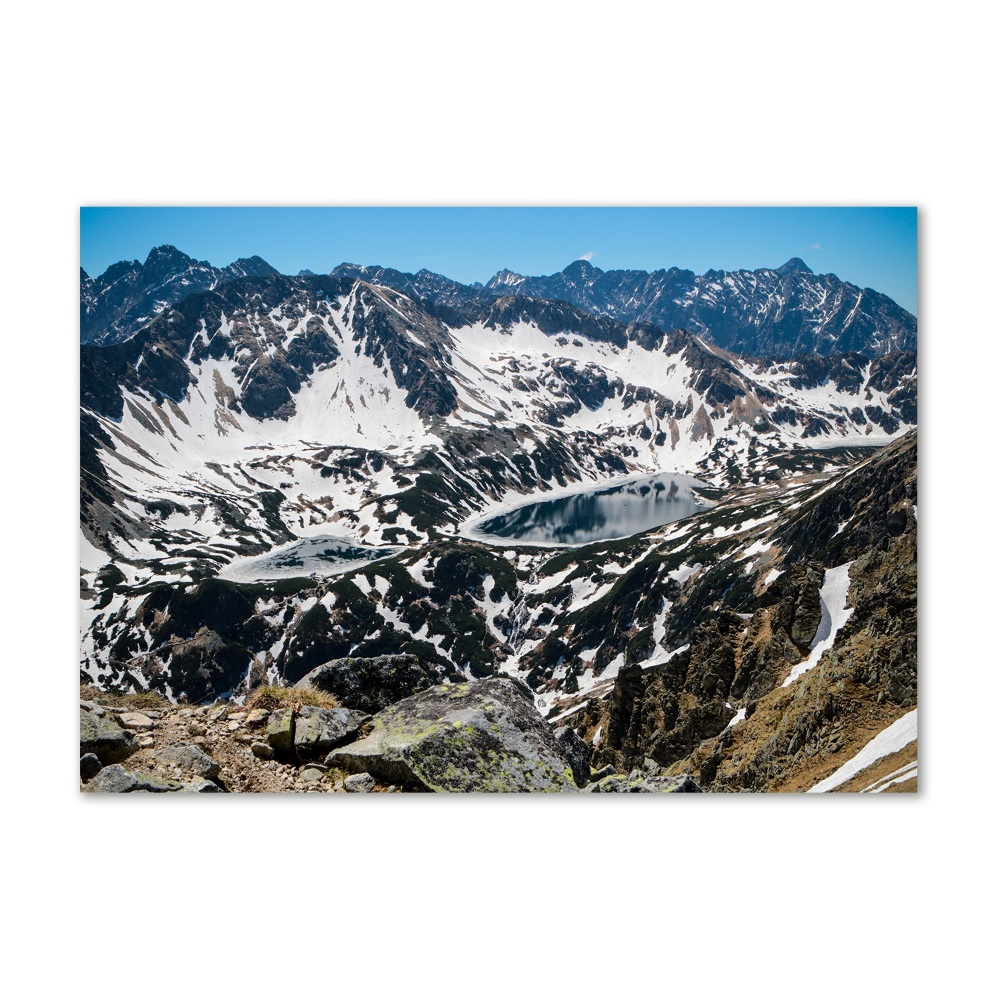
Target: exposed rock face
[787,736]
[370,683]
[576,752]
[103,737]
[481,736]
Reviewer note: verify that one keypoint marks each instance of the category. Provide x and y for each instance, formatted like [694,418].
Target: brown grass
[135,700]
[271,697]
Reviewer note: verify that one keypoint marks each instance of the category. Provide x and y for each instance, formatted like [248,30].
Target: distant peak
[580,268]
[794,264]
[505,277]
[166,252]
[251,267]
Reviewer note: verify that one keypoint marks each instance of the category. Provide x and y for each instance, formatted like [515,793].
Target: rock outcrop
[480,736]
[370,683]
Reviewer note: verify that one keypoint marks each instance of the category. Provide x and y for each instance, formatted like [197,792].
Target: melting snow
[891,740]
[833,614]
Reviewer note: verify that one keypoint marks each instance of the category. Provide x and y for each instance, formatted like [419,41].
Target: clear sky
[871,247]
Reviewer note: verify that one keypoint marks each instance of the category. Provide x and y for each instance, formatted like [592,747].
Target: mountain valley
[282,472]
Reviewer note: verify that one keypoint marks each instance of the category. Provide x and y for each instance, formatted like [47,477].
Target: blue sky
[871,247]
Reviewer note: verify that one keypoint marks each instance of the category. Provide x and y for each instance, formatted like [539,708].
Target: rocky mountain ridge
[768,312]
[211,428]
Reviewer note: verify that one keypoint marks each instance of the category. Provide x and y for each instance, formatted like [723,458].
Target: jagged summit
[793,265]
[581,270]
[779,312]
[251,267]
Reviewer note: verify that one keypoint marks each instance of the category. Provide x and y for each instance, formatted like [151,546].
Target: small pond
[324,555]
[612,512]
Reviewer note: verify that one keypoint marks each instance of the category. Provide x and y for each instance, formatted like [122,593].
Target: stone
[103,737]
[114,778]
[145,741]
[237,716]
[92,706]
[477,736]
[190,759]
[233,725]
[363,782]
[89,766]
[370,684]
[319,730]
[280,731]
[257,718]
[263,751]
[576,751]
[603,773]
[311,774]
[135,721]
[202,785]
[638,782]
[217,713]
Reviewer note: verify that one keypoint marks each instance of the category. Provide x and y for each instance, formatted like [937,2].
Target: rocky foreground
[480,736]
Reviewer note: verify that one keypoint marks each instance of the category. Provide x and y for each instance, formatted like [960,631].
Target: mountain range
[240,426]
[777,312]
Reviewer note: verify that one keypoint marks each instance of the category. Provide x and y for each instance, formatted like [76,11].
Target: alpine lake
[596,515]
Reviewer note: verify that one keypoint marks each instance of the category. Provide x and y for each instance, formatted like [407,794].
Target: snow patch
[891,740]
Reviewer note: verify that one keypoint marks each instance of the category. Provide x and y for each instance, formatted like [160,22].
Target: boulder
[115,778]
[202,785]
[480,736]
[370,683]
[262,751]
[89,766]
[135,721]
[363,782]
[576,751]
[102,736]
[637,782]
[190,759]
[319,730]
[280,732]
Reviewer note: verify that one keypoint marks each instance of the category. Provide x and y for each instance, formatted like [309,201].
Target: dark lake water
[613,512]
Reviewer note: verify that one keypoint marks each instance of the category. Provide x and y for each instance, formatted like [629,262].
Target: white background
[520,103]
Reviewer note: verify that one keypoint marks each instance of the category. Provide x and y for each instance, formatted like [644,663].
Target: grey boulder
[103,737]
[319,730]
[190,759]
[480,736]
[115,778]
